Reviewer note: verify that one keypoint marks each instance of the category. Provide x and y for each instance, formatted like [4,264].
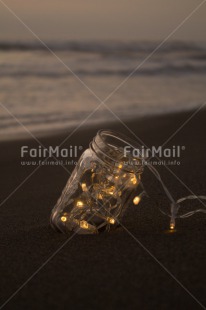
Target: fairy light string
[102,186]
[175,205]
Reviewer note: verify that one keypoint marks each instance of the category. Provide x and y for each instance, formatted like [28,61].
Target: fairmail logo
[174,152]
[50,151]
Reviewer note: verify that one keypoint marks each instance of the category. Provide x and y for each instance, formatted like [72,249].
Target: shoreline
[110,124]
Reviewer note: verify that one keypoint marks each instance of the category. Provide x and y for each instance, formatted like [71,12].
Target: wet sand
[116,270]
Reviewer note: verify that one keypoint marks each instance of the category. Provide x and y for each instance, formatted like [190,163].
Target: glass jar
[102,185]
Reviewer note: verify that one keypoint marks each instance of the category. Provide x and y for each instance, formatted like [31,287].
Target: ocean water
[39,91]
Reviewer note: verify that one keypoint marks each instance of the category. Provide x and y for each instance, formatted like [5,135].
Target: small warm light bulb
[111,192]
[172,226]
[111,220]
[134,180]
[120,166]
[80,204]
[99,196]
[63,218]
[136,200]
[84,224]
[84,187]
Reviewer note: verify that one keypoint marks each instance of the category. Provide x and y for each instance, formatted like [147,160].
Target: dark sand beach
[111,270]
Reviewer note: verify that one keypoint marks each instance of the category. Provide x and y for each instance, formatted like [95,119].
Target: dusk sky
[108,19]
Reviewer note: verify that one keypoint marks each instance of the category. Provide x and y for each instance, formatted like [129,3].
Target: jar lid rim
[105,148]
[119,136]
